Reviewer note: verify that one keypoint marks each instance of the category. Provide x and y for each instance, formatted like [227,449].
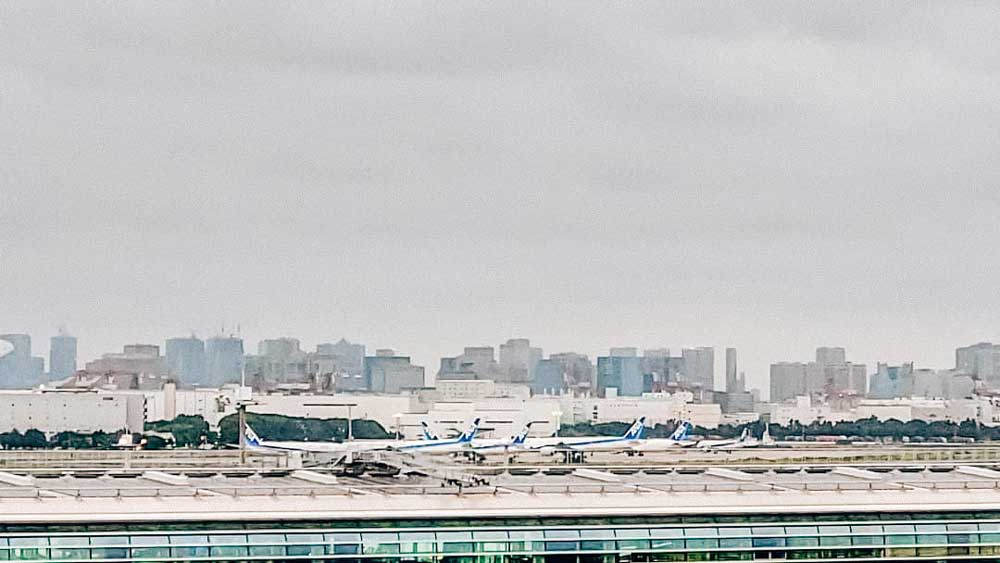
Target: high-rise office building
[62,356]
[980,360]
[518,360]
[619,375]
[699,367]
[345,356]
[826,355]
[223,360]
[186,360]
[18,369]
[390,373]
[732,375]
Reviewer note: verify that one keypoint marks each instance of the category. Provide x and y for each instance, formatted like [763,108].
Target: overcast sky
[773,177]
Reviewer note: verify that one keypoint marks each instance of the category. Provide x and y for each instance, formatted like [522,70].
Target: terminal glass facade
[939,536]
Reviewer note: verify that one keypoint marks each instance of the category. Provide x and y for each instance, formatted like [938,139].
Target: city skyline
[760,381]
[768,177]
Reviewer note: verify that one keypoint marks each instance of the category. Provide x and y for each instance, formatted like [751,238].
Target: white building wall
[88,412]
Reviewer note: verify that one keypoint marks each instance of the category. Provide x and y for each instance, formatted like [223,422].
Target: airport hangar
[517,515]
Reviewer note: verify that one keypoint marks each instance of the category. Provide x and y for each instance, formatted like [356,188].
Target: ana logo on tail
[681,433]
[469,434]
[253,440]
[427,433]
[635,431]
[520,438]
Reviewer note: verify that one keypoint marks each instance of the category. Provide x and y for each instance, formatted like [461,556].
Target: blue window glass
[189,546]
[27,549]
[417,542]
[666,538]
[266,544]
[597,539]
[931,534]
[769,536]
[494,541]
[962,533]
[70,547]
[228,545]
[380,543]
[300,545]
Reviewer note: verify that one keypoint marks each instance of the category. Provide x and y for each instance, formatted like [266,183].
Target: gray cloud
[775,176]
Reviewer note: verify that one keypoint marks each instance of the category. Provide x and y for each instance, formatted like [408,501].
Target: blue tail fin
[253,440]
[469,434]
[426,432]
[522,436]
[681,433]
[636,430]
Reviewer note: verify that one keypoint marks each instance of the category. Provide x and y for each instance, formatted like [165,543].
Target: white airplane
[744,441]
[429,443]
[629,439]
[514,443]
[679,439]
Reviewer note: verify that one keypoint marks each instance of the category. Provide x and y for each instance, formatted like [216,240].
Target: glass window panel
[989,526]
[768,531]
[28,548]
[801,530]
[835,530]
[346,549]
[967,527]
[868,540]
[801,541]
[898,528]
[632,533]
[870,530]
[963,538]
[150,540]
[495,535]
[562,534]
[735,542]
[266,544]
[597,534]
[900,540]
[70,547]
[666,532]
[931,528]
[702,543]
[734,532]
[191,546]
[769,542]
[597,545]
[458,547]
[221,548]
[380,543]
[931,539]
[417,542]
[561,546]
[834,540]
[701,532]
[344,537]
[493,546]
[454,536]
[525,534]
[300,550]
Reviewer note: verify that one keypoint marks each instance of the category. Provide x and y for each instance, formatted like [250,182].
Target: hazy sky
[425,176]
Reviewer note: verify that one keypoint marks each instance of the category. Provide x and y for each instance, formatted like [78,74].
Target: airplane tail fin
[681,433]
[252,439]
[745,435]
[520,438]
[469,434]
[426,431]
[636,430]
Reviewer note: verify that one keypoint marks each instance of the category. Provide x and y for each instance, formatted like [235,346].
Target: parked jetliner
[631,438]
[516,442]
[744,441]
[429,444]
[679,439]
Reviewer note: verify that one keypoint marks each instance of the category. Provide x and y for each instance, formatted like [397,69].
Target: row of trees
[294,428]
[869,427]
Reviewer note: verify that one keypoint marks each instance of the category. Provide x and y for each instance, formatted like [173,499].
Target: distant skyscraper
[17,368]
[223,360]
[788,380]
[518,360]
[347,357]
[389,373]
[732,374]
[622,373]
[699,366]
[980,360]
[186,360]
[826,356]
[62,356]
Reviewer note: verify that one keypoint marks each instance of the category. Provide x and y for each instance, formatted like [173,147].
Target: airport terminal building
[528,515]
